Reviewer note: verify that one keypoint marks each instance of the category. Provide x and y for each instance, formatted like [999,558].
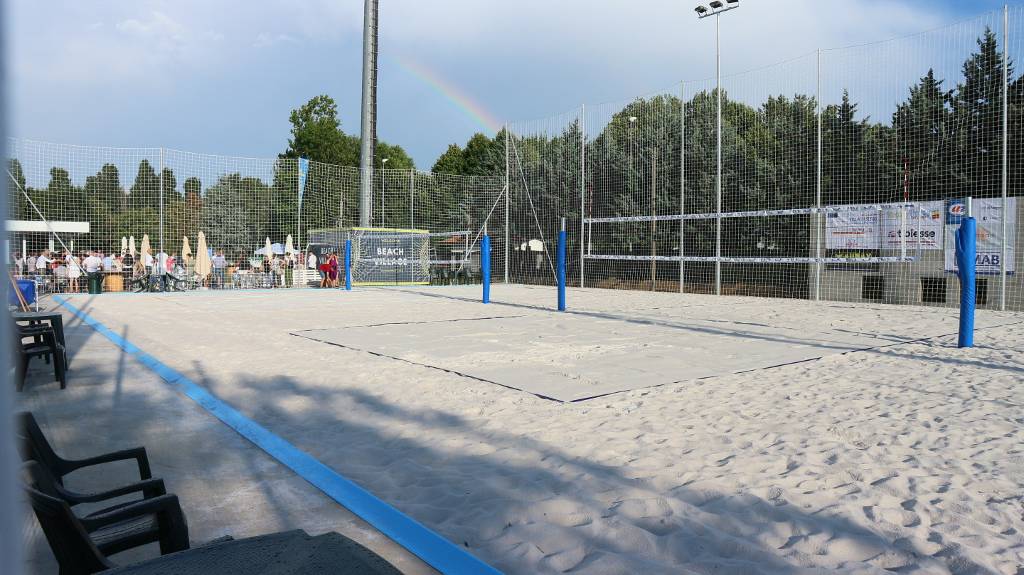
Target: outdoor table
[113,282]
[56,321]
[287,553]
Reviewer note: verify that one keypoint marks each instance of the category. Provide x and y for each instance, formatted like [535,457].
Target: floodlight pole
[368,127]
[716,12]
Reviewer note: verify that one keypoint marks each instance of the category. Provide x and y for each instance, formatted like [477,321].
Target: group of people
[328,269]
[66,271]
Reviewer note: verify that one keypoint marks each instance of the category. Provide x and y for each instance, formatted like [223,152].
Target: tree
[316,132]
[145,192]
[977,110]
[450,162]
[225,220]
[925,137]
[18,206]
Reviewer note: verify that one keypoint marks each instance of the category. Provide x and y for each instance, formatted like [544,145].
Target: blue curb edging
[433,549]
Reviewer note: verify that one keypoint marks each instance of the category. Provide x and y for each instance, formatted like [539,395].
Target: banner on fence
[871,228]
[989,215]
[390,256]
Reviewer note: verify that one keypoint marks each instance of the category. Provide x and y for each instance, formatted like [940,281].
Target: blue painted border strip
[435,550]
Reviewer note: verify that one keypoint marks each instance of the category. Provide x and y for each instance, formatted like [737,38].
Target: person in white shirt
[219,266]
[92,263]
[42,263]
[30,264]
[108,263]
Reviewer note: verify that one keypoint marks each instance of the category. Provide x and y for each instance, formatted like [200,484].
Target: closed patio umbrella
[144,248]
[131,246]
[203,263]
[288,247]
[186,251]
[268,250]
[124,245]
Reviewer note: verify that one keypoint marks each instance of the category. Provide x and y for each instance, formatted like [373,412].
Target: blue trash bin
[28,291]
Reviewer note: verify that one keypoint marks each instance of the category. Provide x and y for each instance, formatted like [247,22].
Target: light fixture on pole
[716,9]
[382,180]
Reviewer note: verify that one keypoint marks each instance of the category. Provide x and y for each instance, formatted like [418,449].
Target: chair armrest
[136,453]
[150,488]
[164,504]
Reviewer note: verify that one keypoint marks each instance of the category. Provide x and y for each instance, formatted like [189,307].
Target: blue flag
[303,170]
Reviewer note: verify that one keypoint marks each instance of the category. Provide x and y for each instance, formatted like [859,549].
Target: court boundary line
[432,548]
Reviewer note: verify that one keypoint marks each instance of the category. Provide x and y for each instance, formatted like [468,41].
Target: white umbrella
[268,250]
[131,245]
[144,248]
[288,247]
[203,263]
[124,245]
[186,251]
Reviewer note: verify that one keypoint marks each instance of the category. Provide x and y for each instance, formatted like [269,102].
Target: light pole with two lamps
[715,9]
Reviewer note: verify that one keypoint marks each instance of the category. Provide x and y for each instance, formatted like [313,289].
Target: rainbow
[464,102]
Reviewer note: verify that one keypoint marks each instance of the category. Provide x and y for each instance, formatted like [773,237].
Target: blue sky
[221,77]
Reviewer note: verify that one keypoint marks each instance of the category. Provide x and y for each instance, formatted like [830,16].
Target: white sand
[909,458]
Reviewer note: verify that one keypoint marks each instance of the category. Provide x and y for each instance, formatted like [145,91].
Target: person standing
[42,263]
[311,264]
[332,271]
[289,266]
[93,266]
[30,264]
[74,267]
[219,265]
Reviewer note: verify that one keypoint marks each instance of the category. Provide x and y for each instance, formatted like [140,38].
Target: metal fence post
[817,202]
[682,182]
[583,184]
[1006,142]
[508,203]
[160,265]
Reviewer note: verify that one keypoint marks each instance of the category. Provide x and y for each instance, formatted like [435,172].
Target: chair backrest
[34,446]
[71,545]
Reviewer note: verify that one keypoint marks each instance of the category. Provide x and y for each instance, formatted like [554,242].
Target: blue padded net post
[561,268]
[348,265]
[485,267]
[966,248]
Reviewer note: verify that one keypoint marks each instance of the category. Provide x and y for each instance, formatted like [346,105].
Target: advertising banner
[886,227]
[989,215]
[390,256]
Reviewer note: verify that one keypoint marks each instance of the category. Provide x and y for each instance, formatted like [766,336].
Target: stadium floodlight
[700,10]
[717,9]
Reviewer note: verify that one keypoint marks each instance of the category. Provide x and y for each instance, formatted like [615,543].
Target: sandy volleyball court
[872,445]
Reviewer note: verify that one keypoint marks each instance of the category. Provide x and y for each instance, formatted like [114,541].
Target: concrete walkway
[227,486]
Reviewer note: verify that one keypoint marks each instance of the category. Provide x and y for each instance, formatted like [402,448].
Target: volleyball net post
[966,252]
[348,265]
[561,267]
[485,267]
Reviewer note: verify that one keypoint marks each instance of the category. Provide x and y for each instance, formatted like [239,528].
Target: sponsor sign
[888,227]
[989,215]
[383,256]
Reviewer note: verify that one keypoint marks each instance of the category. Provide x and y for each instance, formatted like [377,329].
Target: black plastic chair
[82,545]
[35,447]
[44,344]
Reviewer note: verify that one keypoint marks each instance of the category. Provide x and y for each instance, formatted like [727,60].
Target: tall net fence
[146,215]
[843,175]
[839,175]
